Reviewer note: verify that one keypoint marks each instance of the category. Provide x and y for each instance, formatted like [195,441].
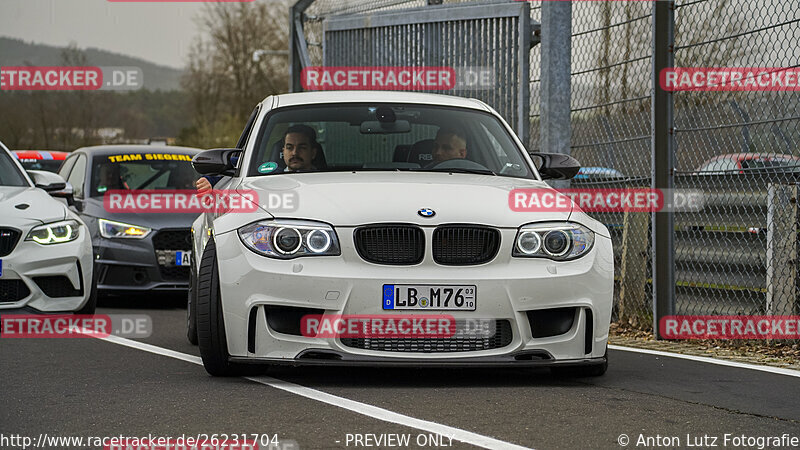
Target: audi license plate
[441,297]
[183,258]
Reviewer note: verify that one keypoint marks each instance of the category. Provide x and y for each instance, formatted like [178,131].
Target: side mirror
[555,166]
[66,193]
[217,161]
[48,181]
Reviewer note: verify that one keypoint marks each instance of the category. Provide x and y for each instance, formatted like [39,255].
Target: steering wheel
[458,164]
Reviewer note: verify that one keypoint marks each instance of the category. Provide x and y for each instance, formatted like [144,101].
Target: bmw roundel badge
[426,212]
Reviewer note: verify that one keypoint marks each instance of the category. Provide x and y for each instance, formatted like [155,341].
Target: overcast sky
[161,32]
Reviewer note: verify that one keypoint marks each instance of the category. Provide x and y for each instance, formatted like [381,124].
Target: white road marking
[375,412]
[708,360]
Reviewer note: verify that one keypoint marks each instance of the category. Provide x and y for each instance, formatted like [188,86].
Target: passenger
[450,143]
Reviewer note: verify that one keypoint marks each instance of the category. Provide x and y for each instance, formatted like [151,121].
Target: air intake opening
[589,331]
[251,330]
[550,322]
[533,355]
[462,245]
[393,244]
[286,319]
[320,354]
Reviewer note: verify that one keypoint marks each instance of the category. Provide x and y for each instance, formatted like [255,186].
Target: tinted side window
[65,168]
[78,176]
[247,129]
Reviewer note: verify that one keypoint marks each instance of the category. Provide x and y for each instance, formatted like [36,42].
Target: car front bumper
[137,265]
[507,289]
[32,271]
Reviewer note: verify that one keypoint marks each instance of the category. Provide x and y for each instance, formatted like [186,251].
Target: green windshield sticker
[102,188]
[267,167]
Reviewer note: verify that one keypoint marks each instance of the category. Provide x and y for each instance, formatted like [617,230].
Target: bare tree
[223,79]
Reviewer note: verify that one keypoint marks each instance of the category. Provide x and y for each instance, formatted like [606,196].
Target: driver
[300,148]
[301,153]
[450,143]
[110,178]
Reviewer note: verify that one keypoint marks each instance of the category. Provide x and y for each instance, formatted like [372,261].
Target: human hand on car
[203,187]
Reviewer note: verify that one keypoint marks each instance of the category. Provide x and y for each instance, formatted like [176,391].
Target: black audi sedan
[135,249]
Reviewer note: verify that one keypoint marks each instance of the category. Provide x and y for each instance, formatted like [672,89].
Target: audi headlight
[287,239]
[110,229]
[560,241]
[55,233]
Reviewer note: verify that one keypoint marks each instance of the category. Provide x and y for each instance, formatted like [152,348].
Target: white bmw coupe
[384,235]
[46,262]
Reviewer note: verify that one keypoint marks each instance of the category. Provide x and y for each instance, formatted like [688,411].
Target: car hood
[41,208]
[94,207]
[357,198]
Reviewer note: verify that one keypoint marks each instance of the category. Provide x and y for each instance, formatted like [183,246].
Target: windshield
[9,173]
[141,171]
[50,165]
[771,163]
[393,137]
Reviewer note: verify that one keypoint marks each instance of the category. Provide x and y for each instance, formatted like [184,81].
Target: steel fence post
[298,50]
[555,126]
[662,163]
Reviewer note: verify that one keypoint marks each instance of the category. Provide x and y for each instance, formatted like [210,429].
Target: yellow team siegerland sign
[149,157]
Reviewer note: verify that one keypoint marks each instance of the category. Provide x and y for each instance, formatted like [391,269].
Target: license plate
[1,267]
[439,297]
[183,258]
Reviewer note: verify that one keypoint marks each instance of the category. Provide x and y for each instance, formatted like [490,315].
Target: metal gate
[480,41]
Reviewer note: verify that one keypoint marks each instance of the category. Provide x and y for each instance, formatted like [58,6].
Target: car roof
[317,97]
[746,156]
[40,154]
[128,149]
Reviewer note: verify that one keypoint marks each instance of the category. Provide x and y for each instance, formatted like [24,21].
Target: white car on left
[46,262]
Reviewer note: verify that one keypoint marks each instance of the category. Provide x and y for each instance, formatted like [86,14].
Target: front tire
[191,306]
[210,321]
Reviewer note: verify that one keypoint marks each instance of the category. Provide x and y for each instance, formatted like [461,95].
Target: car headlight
[287,239]
[110,229]
[560,241]
[55,233]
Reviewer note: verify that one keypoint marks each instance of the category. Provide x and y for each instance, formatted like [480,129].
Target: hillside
[15,52]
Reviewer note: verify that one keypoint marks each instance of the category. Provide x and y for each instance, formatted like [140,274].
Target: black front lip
[535,358]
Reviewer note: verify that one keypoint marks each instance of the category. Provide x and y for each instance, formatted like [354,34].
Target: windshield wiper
[462,170]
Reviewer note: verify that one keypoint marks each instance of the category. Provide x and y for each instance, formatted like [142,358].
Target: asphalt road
[102,388]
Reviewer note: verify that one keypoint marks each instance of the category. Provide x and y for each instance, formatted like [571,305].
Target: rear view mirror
[376,127]
[216,161]
[555,166]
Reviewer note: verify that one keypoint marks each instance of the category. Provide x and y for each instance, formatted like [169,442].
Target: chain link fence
[738,255]
[735,146]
